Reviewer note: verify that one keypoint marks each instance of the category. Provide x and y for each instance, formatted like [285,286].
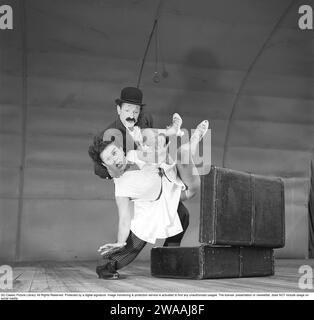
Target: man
[130,113]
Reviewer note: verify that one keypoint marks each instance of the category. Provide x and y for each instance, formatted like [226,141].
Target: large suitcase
[241,209]
[205,262]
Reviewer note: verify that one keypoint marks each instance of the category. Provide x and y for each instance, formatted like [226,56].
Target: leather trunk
[241,209]
[208,262]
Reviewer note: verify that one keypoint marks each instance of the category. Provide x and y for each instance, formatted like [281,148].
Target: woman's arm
[125,207]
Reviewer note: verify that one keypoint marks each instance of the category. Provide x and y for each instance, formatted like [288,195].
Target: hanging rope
[149,41]
[156,76]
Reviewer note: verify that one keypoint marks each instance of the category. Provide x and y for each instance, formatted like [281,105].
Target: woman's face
[114,159]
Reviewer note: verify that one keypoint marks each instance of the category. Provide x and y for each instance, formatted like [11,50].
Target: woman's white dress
[155,198]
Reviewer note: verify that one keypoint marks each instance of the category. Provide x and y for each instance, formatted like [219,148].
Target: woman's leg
[184,217]
[173,130]
[198,135]
[154,142]
[185,164]
[187,172]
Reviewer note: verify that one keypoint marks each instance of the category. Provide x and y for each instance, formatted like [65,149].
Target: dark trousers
[134,245]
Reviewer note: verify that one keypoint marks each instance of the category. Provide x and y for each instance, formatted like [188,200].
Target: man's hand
[110,247]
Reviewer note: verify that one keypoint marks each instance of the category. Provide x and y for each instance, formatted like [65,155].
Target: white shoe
[175,128]
[200,131]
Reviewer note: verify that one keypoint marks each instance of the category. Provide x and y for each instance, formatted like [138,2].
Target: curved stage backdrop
[249,70]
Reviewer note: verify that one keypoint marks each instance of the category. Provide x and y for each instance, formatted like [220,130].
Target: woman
[149,184]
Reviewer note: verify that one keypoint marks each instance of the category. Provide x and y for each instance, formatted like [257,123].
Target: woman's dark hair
[97,148]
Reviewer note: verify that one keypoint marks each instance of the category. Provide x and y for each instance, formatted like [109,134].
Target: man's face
[128,114]
[114,159]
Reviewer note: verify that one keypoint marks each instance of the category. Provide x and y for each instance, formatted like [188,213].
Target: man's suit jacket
[145,120]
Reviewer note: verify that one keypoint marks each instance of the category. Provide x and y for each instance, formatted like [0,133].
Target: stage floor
[80,277]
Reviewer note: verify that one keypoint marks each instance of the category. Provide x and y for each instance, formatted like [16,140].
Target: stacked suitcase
[241,222]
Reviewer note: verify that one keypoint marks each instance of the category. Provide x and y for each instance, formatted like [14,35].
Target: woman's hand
[110,247]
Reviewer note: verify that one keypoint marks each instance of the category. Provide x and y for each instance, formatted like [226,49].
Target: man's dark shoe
[107,271]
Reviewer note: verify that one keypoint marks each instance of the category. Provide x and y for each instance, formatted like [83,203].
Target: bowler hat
[131,95]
